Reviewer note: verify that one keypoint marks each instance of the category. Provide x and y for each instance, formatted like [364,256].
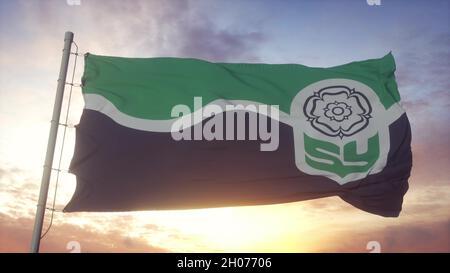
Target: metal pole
[45,182]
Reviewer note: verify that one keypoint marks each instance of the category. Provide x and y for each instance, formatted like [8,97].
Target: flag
[176,133]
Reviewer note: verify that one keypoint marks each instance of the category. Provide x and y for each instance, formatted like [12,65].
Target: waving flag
[150,139]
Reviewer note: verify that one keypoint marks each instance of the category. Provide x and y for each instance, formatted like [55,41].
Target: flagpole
[46,174]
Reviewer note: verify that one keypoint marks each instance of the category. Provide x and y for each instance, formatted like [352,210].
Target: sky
[313,33]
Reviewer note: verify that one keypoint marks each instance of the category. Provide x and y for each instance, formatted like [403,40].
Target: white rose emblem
[338,111]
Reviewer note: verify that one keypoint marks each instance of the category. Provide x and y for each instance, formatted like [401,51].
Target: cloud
[141,28]
[423,225]
[423,62]
[433,237]
[15,236]
[18,193]
[415,237]
[7,173]
[201,41]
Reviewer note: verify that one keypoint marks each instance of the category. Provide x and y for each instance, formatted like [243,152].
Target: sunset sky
[313,33]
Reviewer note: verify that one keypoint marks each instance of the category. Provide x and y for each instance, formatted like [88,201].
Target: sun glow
[274,228]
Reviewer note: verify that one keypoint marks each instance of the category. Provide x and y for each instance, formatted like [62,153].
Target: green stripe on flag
[148,88]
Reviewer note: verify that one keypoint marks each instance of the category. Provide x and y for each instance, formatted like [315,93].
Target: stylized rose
[338,111]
